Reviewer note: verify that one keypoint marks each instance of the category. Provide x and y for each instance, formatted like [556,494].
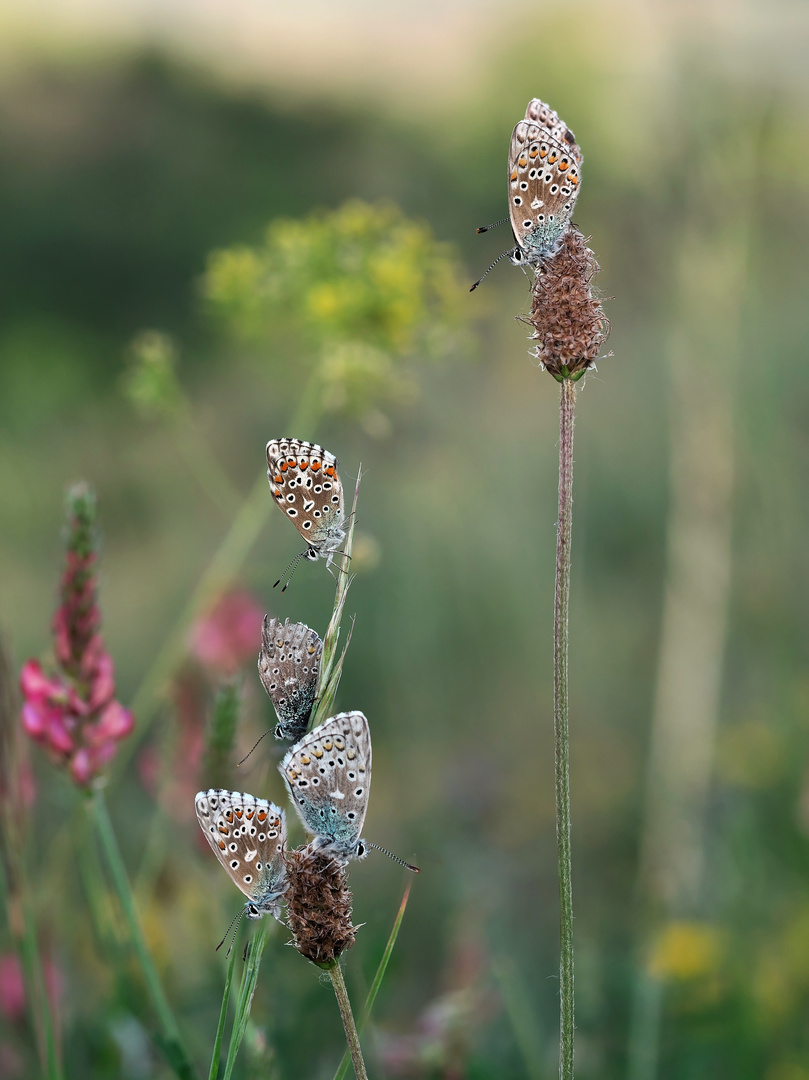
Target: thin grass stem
[171,1040]
[218,574]
[213,1072]
[331,665]
[561,726]
[377,983]
[247,989]
[352,1037]
[516,1000]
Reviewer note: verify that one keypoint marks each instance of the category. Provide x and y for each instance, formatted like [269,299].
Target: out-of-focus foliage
[151,381]
[121,174]
[365,288]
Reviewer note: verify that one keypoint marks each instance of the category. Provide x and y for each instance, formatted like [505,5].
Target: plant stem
[255,950]
[223,1013]
[171,1038]
[216,577]
[331,665]
[380,975]
[352,1038]
[561,726]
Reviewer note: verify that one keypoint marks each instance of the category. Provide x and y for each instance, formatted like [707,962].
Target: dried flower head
[74,713]
[569,323]
[319,904]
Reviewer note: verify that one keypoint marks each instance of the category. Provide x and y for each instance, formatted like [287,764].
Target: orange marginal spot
[533,153]
[305,760]
[262,814]
[278,479]
[229,815]
[315,466]
[292,462]
[222,845]
[283,466]
[318,753]
[563,165]
[552,156]
[513,175]
[522,162]
[572,179]
[249,814]
[223,829]
[303,463]
[239,812]
[543,153]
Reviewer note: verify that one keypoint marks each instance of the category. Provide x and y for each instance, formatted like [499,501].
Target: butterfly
[304,480]
[544,176]
[328,776]
[288,665]
[248,837]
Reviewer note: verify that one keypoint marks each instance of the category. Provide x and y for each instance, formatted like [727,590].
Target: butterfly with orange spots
[307,489]
[248,836]
[544,177]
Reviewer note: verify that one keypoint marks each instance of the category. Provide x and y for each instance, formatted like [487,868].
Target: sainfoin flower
[73,711]
[229,634]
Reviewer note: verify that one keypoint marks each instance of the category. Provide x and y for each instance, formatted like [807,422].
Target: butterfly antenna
[485,228]
[252,748]
[496,261]
[294,565]
[395,858]
[237,918]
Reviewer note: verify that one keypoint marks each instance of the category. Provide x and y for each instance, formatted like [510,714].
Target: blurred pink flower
[73,713]
[230,633]
[12,988]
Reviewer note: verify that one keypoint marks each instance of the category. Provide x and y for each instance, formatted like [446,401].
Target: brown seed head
[569,323]
[318,904]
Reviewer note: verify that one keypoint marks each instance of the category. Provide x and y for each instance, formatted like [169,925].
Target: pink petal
[34,720]
[37,688]
[115,723]
[58,733]
[12,988]
[81,767]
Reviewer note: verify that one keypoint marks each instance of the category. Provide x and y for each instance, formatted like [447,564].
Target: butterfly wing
[306,485]
[288,665]
[248,836]
[544,174]
[328,776]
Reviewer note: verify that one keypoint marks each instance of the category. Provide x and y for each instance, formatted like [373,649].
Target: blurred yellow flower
[370,289]
[686,950]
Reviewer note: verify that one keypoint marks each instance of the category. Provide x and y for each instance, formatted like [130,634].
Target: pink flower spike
[103,681]
[37,687]
[115,723]
[62,644]
[226,637]
[81,767]
[58,734]
[33,720]
[12,988]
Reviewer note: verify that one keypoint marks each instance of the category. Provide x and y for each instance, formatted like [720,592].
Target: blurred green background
[135,143]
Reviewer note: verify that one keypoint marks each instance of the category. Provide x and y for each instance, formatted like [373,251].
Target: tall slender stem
[352,1038]
[561,726]
[172,1042]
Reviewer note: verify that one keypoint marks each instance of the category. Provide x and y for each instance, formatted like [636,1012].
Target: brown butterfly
[544,176]
[304,480]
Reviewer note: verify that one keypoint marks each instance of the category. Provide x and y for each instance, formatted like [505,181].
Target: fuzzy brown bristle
[319,905]
[569,323]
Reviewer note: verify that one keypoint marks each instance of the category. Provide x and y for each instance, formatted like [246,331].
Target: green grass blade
[223,1012]
[377,983]
[246,991]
